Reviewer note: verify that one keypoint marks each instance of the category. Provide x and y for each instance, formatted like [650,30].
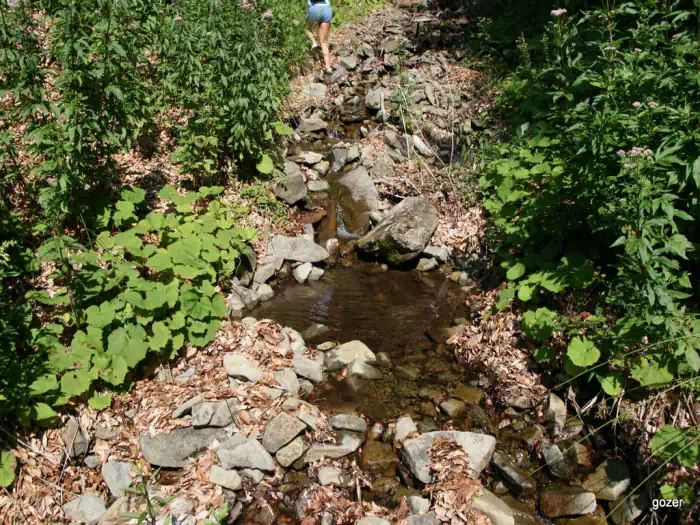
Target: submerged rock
[479,449]
[427,265]
[403,233]
[516,479]
[569,501]
[378,457]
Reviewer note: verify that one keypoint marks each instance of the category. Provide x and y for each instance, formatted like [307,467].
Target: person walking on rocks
[320,12]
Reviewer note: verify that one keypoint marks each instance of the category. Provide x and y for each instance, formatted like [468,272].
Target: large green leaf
[540,324]
[265,166]
[650,372]
[583,352]
[160,260]
[128,343]
[43,385]
[161,336]
[612,383]
[676,444]
[100,402]
[516,271]
[8,466]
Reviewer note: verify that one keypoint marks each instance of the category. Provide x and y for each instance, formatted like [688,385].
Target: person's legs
[324,30]
[310,34]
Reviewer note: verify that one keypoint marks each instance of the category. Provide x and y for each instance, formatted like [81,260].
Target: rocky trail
[359,380]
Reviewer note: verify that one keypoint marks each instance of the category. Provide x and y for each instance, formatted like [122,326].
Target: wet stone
[347,353]
[408,372]
[609,481]
[427,265]
[532,435]
[570,501]
[469,394]
[363,370]
[515,478]
[496,510]
[347,443]
[378,457]
[383,360]
[428,409]
[557,462]
[453,407]
[404,428]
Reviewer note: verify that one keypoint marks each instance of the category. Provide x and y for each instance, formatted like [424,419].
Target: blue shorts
[320,13]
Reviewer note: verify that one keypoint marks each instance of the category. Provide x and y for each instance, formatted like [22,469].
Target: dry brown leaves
[489,347]
[455,483]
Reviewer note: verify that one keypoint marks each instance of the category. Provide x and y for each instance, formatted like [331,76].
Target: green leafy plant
[8,466]
[149,284]
[154,504]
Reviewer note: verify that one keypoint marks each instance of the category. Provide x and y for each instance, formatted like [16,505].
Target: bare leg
[323,32]
[311,37]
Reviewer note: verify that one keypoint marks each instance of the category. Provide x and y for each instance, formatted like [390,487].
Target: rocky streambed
[349,406]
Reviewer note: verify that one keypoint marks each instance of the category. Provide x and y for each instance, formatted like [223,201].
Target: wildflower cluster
[559,12]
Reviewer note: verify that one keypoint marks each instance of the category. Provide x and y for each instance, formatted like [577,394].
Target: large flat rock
[296,249]
[174,449]
[479,449]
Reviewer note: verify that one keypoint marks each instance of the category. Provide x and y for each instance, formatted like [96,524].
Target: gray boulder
[479,449]
[418,505]
[363,370]
[348,443]
[301,272]
[289,453]
[401,143]
[437,252]
[240,367]
[403,233]
[496,510]
[349,62]
[427,265]
[264,273]
[338,158]
[335,476]
[517,480]
[75,439]
[308,368]
[315,90]
[281,430]
[348,422]
[248,296]
[296,249]
[229,479]
[116,476]
[609,481]
[404,427]
[87,508]
[214,414]
[359,197]
[249,454]
[265,292]
[288,380]
[291,188]
[307,125]
[346,353]
[173,450]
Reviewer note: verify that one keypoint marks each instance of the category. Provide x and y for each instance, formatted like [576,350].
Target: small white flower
[637,104]
[653,105]
[558,12]
[637,50]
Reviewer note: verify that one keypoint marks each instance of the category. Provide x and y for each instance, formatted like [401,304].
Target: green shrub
[600,190]
[147,284]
